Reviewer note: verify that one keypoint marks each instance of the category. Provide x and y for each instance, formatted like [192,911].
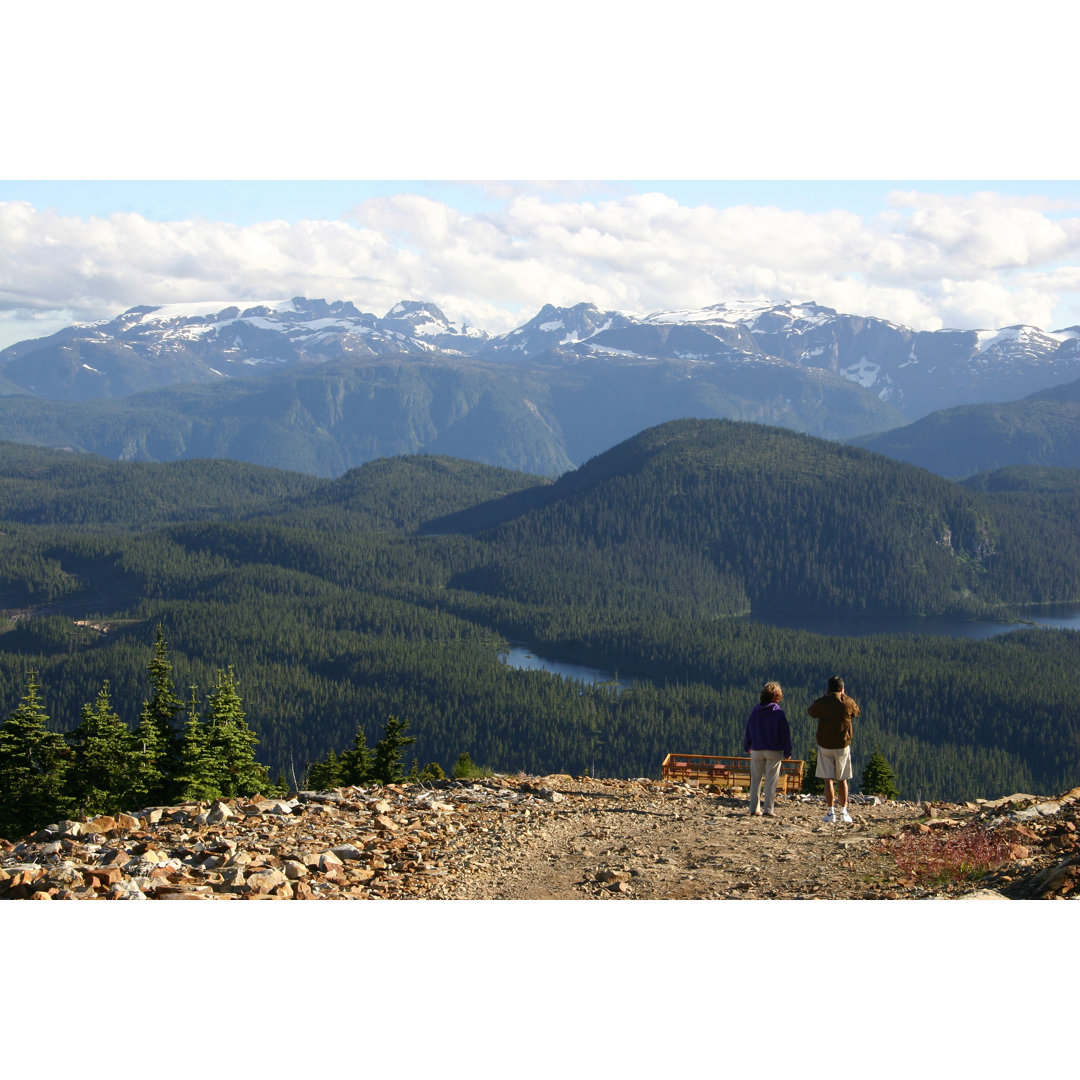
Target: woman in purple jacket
[768,741]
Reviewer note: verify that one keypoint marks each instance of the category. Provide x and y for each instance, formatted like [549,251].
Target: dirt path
[608,839]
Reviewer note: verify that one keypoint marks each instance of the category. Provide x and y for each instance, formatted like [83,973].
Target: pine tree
[33,764]
[149,784]
[431,771]
[325,775]
[812,784]
[357,764]
[878,778]
[463,767]
[102,775]
[160,713]
[231,743]
[386,767]
[197,775]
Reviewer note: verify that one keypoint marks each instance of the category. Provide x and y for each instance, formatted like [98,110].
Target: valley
[392,590]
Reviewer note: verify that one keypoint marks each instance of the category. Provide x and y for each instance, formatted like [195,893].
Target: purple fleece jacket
[767,729]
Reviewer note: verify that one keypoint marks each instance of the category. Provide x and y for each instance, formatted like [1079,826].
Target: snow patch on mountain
[862,372]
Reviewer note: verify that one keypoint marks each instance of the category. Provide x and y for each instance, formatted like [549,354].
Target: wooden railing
[728,771]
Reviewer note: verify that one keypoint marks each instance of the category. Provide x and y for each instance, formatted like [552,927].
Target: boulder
[103,876]
[265,881]
[184,892]
[347,851]
[219,812]
[328,861]
[127,890]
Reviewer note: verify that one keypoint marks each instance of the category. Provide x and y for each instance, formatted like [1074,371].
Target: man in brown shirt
[834,713]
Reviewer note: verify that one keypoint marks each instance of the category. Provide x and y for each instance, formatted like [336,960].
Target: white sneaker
[830,816]
[845,817]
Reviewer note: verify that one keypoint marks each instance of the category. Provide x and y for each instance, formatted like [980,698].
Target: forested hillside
[718,517]
[390,591]
[1041,430]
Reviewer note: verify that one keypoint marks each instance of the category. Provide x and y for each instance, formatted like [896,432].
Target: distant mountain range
[321,387]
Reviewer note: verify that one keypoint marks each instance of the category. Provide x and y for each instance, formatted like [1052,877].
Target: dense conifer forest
[335,605]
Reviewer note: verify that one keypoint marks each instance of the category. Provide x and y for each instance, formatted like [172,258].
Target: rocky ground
[551,838]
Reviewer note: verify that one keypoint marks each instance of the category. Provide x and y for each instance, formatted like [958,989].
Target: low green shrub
[464,769]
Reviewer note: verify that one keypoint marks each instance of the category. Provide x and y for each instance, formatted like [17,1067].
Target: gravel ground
[649,840]
[552,838]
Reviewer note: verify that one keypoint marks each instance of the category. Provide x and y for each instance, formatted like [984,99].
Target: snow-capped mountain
[552,329]
[425,322]
[915,372]
[151,347]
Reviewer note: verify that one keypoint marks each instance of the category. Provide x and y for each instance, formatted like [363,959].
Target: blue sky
[247,202]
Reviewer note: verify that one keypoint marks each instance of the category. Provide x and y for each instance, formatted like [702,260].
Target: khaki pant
[764,764]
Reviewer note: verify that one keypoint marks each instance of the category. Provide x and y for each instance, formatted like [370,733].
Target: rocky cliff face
[554,837]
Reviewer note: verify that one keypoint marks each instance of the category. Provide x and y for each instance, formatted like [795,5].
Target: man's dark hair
[836,684]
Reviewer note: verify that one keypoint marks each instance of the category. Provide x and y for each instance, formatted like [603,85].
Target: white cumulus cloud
[927,261]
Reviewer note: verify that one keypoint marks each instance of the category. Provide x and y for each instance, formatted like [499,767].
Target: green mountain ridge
[765,518]
[1040,430]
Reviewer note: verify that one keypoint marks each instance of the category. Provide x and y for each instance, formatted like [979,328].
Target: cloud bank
[926,261]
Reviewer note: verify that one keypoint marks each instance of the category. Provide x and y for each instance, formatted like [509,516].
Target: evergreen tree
[386,767]
[33,764]
[878,778]
[197,775]
[231,743]
[149,783]
[357,764]
[812,784]
[325,775]
[102,775]
[160,712]
[465,769]
[431,771]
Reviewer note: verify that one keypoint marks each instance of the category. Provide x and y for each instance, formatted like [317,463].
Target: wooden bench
[728,771]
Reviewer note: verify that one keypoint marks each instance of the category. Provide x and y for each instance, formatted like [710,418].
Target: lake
[522,658]
[1053,616]
[1057,616]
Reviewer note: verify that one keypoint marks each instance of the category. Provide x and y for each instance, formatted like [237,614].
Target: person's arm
[785,729]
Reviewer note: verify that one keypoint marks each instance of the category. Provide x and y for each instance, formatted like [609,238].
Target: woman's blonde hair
[771,691]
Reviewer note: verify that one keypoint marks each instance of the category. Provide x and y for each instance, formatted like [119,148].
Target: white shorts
[834,764]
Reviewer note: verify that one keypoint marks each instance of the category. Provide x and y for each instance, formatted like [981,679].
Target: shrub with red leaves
[949,855]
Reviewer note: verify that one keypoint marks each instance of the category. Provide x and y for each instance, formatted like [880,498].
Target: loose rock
[534,838]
